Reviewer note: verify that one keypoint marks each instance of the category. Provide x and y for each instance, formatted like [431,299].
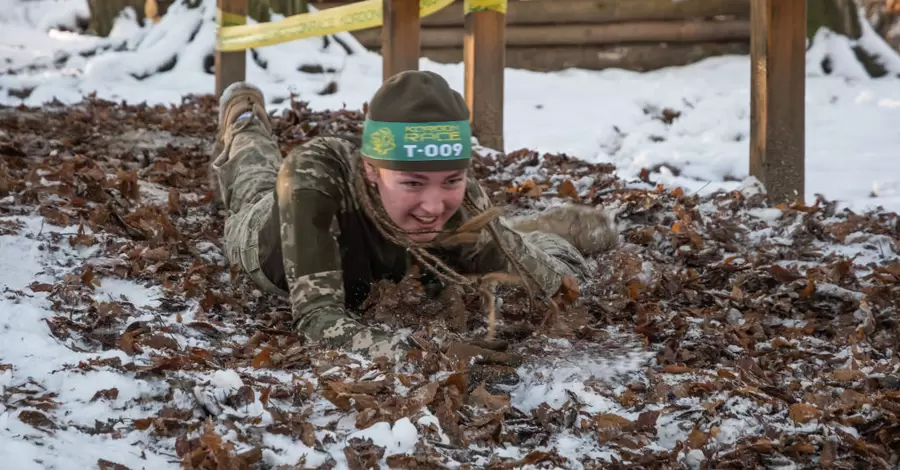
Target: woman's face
[417,201]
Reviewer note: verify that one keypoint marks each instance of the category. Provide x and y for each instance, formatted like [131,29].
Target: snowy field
[724,334]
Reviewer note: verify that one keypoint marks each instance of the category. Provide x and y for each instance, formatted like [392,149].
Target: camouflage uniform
[296,227]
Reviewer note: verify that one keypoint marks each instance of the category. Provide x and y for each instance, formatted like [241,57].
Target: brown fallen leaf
[608,421]
[569,290]
[802,413]
[647,420]
[848,375]
[40,287]
[697,438]
[826,459]
[107,394]
[127,343]
[783,275]
[627,399]
[366,387]
[809,290]
[160,253]
[763,446]
[726,375]
[36,419]
[781,343]
[481,397]
[174,201]
[567,189]
[88,279]
[634,288]
[142,424]
[308,434]
[160,341]
[801,448]
[532,458]
[677,369]
[103,464]
[362,454]
[529,189]
[263,359]
[414,462]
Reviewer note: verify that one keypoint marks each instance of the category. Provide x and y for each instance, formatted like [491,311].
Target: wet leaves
[780,319]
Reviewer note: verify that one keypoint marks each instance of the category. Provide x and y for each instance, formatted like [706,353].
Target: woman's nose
[433,202]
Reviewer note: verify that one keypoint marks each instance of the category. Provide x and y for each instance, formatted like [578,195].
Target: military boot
[591,230]
[237,99]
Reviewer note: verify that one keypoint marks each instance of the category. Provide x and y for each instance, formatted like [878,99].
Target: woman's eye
[411,184]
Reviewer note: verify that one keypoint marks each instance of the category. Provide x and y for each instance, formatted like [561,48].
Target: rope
[467,233]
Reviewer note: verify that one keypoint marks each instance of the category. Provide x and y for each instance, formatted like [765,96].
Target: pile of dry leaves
[771,330]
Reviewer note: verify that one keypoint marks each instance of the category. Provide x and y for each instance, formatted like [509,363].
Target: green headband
[418,145]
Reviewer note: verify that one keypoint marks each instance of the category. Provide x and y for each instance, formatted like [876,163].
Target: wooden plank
[777,97]
[485,59]
[400,37]
[636,57]
[568,35]
[590,11]
[230,67]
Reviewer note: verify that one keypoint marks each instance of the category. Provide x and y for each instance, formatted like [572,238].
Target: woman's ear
[371,172]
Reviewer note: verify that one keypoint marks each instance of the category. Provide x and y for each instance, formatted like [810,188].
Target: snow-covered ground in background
[853,143]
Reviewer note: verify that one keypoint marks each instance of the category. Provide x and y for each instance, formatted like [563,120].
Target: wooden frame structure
[485,59]
[778,76]
[778,97]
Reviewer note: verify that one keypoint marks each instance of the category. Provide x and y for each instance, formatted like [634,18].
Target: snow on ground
[600,116]
[610,116]
[56,399]
[39,361]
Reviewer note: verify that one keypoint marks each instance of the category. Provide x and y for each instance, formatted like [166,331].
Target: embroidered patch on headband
[417,141]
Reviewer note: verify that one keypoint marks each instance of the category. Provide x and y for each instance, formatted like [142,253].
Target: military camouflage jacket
[332,252]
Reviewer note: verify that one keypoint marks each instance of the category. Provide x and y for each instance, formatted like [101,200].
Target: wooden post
[777,97]
[484,52]
[231,67]
[400,37]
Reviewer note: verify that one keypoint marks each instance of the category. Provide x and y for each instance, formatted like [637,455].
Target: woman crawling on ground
[322,225]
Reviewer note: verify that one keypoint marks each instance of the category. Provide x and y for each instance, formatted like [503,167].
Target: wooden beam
[400,37]
[584,35]
[777,97]
[230,67]
[642,57]
[589,11]
[484,52]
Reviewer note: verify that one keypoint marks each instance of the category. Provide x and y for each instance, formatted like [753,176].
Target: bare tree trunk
[104,12]
[839,16]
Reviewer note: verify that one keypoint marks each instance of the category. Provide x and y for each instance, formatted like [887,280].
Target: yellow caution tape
[471,6]
[233,36]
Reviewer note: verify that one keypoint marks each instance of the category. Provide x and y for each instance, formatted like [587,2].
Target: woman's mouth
[426,222]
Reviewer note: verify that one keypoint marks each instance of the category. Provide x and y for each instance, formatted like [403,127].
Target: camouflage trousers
[246,173]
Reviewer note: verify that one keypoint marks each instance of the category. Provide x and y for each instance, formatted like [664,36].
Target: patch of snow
[39,358]
[553,380]
[113,289]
